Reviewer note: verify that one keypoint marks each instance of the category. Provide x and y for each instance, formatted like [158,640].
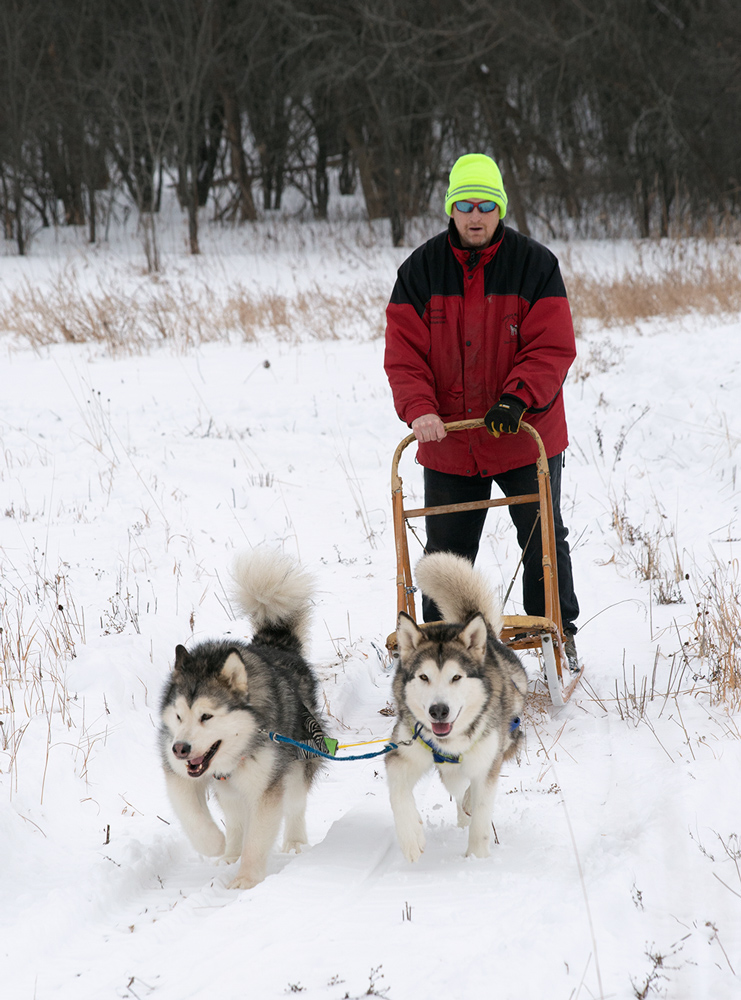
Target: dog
[459,695]
[219,705]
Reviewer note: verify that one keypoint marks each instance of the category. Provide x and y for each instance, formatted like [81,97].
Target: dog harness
[442,758]
[437,755]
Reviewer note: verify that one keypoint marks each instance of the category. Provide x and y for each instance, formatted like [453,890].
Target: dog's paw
[478,848]
[464,818]
[412,841]
[245,881]
[227,859]
[293,846]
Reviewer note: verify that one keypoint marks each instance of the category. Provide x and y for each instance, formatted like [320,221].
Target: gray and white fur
[220,702]
[459,695]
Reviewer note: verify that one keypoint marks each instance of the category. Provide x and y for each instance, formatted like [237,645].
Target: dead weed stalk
[39,630]
[652,552]
[716,636]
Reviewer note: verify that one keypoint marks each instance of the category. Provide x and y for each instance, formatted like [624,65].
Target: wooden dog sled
[545,634]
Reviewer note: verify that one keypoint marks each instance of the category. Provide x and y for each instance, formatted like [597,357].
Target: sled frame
[518,631]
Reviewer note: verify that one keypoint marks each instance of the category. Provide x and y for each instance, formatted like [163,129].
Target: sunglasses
[468,206]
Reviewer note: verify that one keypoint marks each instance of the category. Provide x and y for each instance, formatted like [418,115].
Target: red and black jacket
[465,326]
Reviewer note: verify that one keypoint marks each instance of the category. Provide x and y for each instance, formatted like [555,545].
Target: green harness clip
[331,745]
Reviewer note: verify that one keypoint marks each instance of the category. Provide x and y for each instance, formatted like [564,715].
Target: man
[479,326]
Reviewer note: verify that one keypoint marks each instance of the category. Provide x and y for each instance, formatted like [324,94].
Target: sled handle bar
[468,425]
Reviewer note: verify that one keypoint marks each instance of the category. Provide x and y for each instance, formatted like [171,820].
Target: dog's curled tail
[458,589]
[275,593]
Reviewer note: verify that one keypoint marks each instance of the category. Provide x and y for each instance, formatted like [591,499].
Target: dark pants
[461,532]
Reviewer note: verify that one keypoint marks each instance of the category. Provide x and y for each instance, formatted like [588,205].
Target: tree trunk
[514,194]
[19,233]
[246,203]
[374,191]
[191,191]
[347,170]
[321,182]
[643,203]
[208,152]
[91,194]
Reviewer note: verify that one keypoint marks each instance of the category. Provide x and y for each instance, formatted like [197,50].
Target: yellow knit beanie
[476,176]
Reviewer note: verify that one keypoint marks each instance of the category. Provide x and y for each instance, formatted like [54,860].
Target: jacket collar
[470,258]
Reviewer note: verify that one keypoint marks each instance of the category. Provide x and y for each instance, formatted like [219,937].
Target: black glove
[505,416]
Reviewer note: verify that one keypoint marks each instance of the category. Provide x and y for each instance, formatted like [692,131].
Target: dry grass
[710,650]
[39,629]
[716,641]
[651,552]
[687,278]
[663,280]
[712,653]
[122,319]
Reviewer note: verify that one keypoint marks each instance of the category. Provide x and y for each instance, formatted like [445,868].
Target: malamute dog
[221,701]
[459,696]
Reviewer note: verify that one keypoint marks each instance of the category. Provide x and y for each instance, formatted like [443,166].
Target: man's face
[475,228]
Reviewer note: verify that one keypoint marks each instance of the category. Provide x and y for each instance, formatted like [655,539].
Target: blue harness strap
[437,755]
[277,738]
[441,758]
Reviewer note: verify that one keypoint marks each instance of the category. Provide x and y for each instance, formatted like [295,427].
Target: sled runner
[545,634]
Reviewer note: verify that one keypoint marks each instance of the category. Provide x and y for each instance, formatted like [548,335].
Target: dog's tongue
[196,761]
[441,728]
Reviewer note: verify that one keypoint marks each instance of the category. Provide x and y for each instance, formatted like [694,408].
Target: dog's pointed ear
[234,672]
[474,636]
[182,659]
[408,634]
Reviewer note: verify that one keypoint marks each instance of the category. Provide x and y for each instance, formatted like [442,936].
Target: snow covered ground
[128,482]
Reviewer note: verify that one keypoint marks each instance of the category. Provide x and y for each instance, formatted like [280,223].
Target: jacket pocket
[450,402]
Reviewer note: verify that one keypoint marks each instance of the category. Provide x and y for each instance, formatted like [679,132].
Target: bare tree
[596,109]
[185,49]
[23,29]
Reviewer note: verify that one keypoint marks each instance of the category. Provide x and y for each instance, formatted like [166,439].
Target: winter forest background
[608,117]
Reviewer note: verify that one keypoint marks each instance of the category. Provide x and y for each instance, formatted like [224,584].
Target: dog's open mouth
[199,765]
[442,728]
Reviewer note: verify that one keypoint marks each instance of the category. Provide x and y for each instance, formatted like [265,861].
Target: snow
[130,480]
